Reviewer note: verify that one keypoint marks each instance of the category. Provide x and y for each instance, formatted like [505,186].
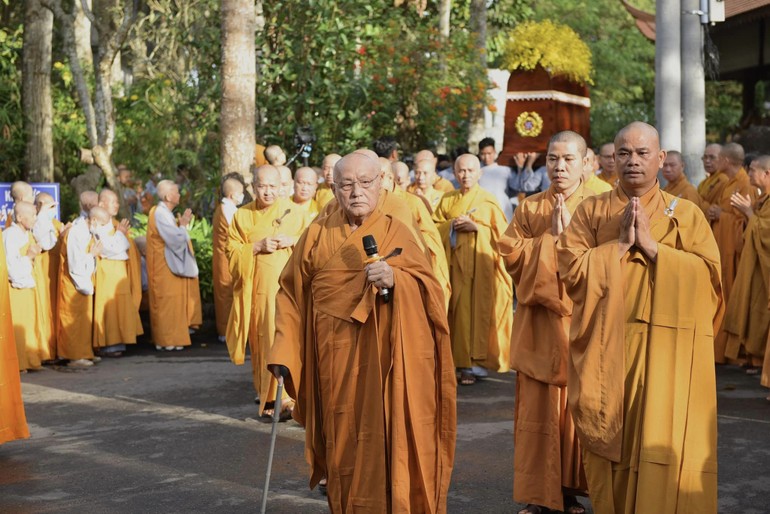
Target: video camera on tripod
[304,138]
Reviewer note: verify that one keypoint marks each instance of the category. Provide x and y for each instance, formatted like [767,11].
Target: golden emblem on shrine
[529,124]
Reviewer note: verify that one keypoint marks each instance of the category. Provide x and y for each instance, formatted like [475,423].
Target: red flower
[361,50]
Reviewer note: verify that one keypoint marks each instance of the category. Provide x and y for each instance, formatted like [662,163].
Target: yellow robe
[747,318]
[728,232]
[598,185]
[642,386]
[431,198]
[222,279]
[481,307]
[49,261]
[255,284]
[310,208]
[323,195]
[13,422]
[683,189]
[546,450]
[443,185]
[374,382]
[710,189]
[117,296]
[74,331]
[175,302]
[611,180]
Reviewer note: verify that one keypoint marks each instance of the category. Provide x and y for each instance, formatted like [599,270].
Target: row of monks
[375,379]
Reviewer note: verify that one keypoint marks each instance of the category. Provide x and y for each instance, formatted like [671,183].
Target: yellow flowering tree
[555,47]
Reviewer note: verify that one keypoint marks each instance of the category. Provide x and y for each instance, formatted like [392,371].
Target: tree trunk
[444,12]
[478,26]
[36,92]
[83,35]
[239,75]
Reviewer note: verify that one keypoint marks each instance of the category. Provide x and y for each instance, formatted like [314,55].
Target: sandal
[322,486]
[534,509]
[573,506]
[467,378]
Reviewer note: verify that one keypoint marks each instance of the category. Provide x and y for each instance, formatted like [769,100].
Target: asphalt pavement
[176,432]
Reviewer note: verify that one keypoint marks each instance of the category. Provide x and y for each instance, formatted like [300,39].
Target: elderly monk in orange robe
[547,470]
[324,193]
[642,269]
[590,180]
[13,422]
[678,185]
[424,177]
[439,182]
[424,224]
[259,243]
[117,282]
[232,198]
[305,187]
[74,306]
[747,318]
[47,230]
[175,297]
[374,380]
[26,280]
[728,224]
[471,223]
[710,189]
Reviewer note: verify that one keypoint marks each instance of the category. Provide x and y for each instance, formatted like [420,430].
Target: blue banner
[6,202]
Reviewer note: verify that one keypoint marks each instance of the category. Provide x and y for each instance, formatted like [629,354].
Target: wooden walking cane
[283,371]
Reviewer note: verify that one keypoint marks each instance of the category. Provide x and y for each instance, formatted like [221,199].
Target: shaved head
[305,184]
[327,168]
[267,185]
[108,200]
[568,136]
[387,176]
[100,215]
[22,192]
[357,186]
[467,171]
[639,157]
[24,213]
[230,187]
[166,187]
[88,200]
[42,200]
[400,174]
[733,154]
[710,158]
[275,156]
[425,155]
[286,181]
[367,152]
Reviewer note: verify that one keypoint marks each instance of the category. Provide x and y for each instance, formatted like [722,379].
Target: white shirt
[19,265]
[228,209]
[45,233]
[80,264]
[179,257]
[115,244]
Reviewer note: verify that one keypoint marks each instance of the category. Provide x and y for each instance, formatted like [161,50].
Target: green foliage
[11,130]
[724,107]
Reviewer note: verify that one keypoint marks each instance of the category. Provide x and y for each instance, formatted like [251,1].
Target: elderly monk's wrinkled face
[710,159]
[26,218]
[638,157]
[424,174]
[673,168]
[266,187]
[565,165]
[388,182]
[357,185]
[327,169]
[467,172]
[758,176]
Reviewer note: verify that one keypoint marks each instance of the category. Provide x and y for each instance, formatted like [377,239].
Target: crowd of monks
[615,390]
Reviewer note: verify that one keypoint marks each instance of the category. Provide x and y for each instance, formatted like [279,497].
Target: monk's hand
[123,226]
[714,212]
[266,245]
[464,223]
[33,251]
[742,203]
[644,240]
[557,220]
[185,218]
[96,249]
[627,236]
[380,274]
[284,241]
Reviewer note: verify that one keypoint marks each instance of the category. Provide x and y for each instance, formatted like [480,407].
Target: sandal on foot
[573,506]
[322,486]
[467,378]
[534,509]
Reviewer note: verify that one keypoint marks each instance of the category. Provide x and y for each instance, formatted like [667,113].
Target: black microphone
[370,247]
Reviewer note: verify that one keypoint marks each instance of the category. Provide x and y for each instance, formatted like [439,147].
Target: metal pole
[668,78]
[273,435]
[693,91]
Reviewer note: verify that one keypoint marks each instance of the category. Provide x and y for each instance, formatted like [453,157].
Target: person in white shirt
[232,197]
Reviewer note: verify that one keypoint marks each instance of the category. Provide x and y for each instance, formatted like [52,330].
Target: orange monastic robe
[76,309]
[683,189]
[374,382]
[547,453]
[747,318]
[443,185]
[49,262]
[597,185]
[612,180]
[710,189]
[642,386]
[310,208]
[221,278]
[728,232]
[13,422]
[175,301]
[431,197]
[481,307]
[255,284]
[323,195]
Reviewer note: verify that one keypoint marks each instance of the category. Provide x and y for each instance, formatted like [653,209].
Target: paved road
[174,432]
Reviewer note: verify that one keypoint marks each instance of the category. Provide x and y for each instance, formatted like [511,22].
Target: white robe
[80,264]
[179,257]
[20,267]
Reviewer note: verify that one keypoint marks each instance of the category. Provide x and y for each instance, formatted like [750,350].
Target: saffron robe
[443,185]
[710,189]
[432,197]
[222,280]
[597,185]
[642,386]
[310,207]
[374,382]
[683,189]
[747,318]
[75,304]
[728,232]
[13,422]
[481,306]
[255,284]
[175,300]
[117,292]
[47,234]
[546,453]
[28,298]
[612,180]
[323,195]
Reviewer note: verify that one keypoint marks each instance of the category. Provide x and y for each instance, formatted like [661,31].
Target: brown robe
[683,189]
[710,189]
[222,280]
[374,382]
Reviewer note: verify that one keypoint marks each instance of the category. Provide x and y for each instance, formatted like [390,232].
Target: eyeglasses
[348,186]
